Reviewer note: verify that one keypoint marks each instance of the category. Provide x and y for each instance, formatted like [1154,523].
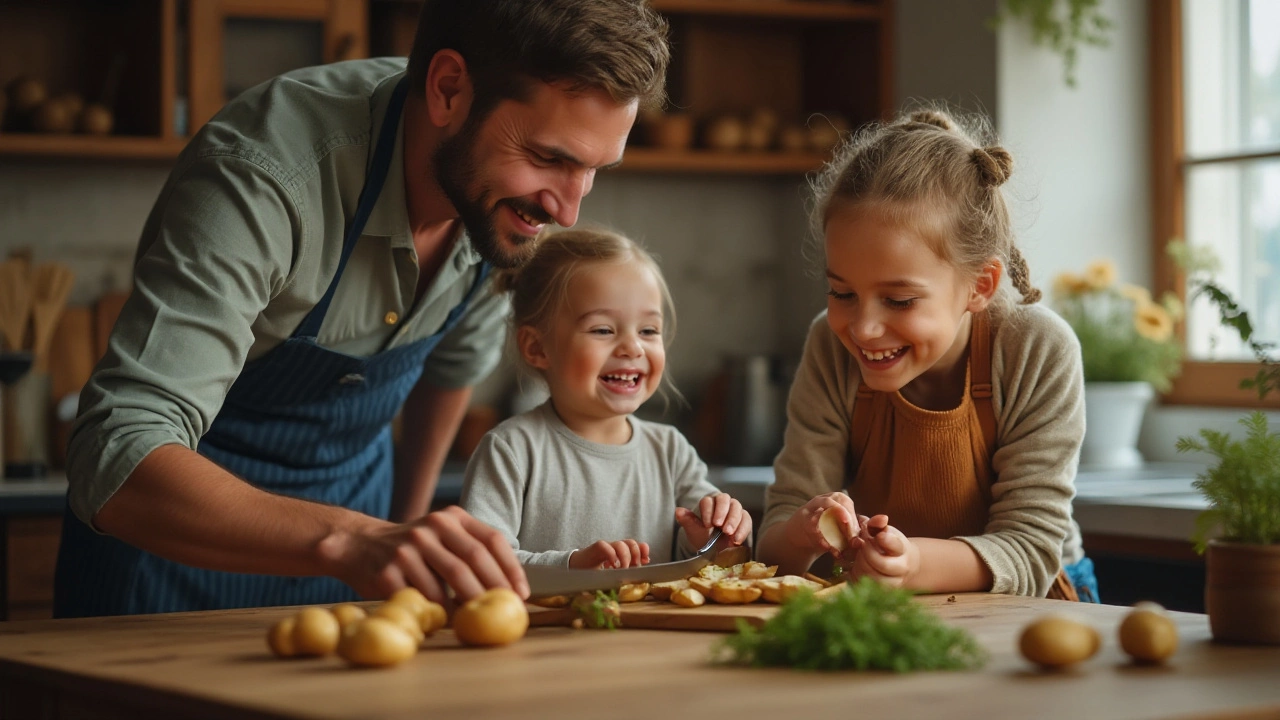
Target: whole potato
[280,637]
[316,632]
[53,116]
[376,642]
[26,93]
[1147,634]
[412,599]
[495,617]
[96,119]
[1054,641]
[402,616]
[348,613]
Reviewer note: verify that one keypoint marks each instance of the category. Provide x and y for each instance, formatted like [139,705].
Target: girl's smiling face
[603,355]
[897,307]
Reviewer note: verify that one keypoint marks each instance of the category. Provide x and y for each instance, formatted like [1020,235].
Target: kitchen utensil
[26,432]
[545,580]
[71,357]
[15,304]
[50,285]
[754,412]
[12,367]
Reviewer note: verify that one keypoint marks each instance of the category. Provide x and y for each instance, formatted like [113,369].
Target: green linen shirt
[241,244]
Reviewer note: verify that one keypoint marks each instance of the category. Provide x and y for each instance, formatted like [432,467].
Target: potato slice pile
[392,631]
[735,585]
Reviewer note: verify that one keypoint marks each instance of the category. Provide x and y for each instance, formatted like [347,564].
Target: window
[1215,68]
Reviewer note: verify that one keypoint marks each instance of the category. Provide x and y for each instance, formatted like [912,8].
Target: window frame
[1201,382]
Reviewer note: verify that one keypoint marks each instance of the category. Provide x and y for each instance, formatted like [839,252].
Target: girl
[580,481]
[949,414]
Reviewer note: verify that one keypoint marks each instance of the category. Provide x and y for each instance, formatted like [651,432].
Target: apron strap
[980,379]
[382,156]
[860,427]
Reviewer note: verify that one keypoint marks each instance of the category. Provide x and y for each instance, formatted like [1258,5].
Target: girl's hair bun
[934,118]
[994,164]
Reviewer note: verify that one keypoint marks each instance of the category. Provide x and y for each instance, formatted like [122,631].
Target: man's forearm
[428,425]
[182,506]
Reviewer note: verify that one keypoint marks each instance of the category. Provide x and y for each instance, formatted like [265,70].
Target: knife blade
[546,580]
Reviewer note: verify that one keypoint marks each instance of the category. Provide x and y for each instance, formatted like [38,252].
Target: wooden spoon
[15,304]
[52,284]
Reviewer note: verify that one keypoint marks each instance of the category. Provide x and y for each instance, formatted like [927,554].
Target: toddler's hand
[609,555]
[883,552]
[802,529]
[715,511]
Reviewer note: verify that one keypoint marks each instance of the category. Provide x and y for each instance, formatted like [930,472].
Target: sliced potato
[633,592]
[821,581]
[735,592]
[688,597]
[553,601]
[777,590]
[829,591]
[713,572]
[663,590]
[757,571]
[829,526]
[701,584]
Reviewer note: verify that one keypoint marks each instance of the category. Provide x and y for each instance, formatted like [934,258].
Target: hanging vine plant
[1061,26]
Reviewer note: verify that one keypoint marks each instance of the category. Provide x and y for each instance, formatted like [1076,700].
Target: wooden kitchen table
[216,665]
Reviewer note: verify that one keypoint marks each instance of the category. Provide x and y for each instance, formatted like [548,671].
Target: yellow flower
[1153,322]
[1136,293]
[1100,274]
[1069,284]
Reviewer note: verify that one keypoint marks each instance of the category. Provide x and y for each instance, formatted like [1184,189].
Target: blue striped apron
[303,421]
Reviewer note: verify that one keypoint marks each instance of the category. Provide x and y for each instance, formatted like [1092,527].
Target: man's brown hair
[619,46]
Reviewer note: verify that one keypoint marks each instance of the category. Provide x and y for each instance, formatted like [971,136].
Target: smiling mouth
[883,355]
[530,217]
[626,380]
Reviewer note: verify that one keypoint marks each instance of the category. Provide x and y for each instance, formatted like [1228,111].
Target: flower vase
[1113,413]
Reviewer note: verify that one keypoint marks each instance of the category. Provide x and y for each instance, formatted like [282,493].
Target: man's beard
[456,171]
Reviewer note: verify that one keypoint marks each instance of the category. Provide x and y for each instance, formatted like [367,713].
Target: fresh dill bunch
[865,626]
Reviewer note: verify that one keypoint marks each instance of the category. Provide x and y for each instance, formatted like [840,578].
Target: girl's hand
[715,511]
[802,529]
[604,555]
[883,553]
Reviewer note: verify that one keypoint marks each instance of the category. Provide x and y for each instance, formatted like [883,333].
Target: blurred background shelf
[644,159]
[114,147]
[778,9]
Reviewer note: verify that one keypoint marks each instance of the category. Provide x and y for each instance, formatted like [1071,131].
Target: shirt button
[392,318]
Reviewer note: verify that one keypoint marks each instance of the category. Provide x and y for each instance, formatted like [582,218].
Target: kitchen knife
[546,580]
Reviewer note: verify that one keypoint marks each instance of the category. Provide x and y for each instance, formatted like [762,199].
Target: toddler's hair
[540,287]
[938,174]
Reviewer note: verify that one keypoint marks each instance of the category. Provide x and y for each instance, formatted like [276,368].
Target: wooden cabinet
[801,59]
[160,65]
[30,553]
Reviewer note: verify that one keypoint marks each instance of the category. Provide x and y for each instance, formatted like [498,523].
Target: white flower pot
[1113,416]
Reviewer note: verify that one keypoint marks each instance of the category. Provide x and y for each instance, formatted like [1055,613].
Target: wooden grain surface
[215,665]
[655,615]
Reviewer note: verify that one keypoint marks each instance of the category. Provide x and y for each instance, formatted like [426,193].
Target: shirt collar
[390,216]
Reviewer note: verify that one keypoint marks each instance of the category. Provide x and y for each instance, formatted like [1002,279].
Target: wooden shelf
[782,9]
[115,147]
[763,163]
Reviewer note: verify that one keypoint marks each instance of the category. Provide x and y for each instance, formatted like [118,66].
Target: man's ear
[449,90]
[529,340]
[985,285]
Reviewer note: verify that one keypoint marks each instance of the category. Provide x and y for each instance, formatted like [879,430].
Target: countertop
[1155,501]
[215,666]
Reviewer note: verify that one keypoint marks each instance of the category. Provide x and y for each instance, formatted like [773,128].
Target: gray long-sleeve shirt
[551,492]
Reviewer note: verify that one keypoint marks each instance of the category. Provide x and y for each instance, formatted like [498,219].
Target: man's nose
[564,203]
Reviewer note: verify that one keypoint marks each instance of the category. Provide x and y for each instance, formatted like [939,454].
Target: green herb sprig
[600,611]
[866,626]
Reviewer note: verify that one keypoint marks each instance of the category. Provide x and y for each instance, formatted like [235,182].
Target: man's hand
[445,548]
[606,555]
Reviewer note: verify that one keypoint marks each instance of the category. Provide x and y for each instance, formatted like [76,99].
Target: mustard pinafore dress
[930,471]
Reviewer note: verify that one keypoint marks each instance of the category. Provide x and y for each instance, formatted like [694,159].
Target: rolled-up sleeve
[474,347]
[217,247]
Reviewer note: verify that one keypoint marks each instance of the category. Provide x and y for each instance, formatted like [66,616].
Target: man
[318,255]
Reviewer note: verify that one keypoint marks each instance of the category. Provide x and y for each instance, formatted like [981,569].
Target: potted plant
[1129,353]
[1242,486]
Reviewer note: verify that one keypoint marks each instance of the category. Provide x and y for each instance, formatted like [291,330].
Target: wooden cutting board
[657,615]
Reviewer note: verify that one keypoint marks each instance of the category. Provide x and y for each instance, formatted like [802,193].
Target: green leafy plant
[599,610]
[1060,25]
[1243,485]
[865,626]
[1124,335]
